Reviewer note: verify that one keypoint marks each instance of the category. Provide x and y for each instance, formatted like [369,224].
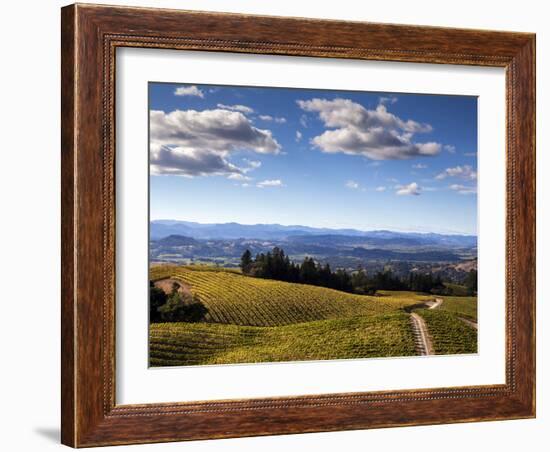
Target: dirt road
[468,322]
[422,339]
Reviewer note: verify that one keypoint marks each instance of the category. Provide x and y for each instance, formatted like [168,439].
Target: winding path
[423,342]
[435,304]
[468,322]
[422,339]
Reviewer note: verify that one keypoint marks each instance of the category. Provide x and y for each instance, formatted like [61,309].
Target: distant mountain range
[305,235]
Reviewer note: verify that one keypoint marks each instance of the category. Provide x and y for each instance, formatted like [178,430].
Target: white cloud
[352,184]
[238,176]
[463,189]
[193,143]
[270,183]
[463,172]
[420,166]
[388,99]
[450,148]
[189,91]
[381,188]
[298,136]
[242,108]
[411,189]
[376,134]
[252,164]
[303,121]
[278,120]
[182,161]
[470,154]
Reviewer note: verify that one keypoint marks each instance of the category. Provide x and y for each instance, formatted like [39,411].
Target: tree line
[276,265]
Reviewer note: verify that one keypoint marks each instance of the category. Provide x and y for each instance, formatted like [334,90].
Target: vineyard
[449,334]
[462,306]
[261,320]
[240,300]
[202,343]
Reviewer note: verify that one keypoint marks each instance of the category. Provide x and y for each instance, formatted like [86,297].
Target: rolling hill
[253,320]
[178,344]
[232,298]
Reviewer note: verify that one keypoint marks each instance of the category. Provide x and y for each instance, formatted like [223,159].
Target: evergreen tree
[471,282]
[246,261]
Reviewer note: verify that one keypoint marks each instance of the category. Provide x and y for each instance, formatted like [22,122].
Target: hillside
[260,320]
[449,334]
[177,344]
[232,298]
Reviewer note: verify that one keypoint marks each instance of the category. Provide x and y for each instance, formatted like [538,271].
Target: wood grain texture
[90,36]
[67,226]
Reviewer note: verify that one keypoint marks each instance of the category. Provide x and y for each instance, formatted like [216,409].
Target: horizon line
[412,230]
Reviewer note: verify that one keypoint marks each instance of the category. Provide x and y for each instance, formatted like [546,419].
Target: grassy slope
[235,299]
[449,334]
[383,335]
[258,320]
[462,306]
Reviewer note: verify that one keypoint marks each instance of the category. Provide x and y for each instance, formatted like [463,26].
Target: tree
[182,307]
[308,271]
[157,298]
[325,276]
[361,283]
[174,308]
[246,261]
[471,282]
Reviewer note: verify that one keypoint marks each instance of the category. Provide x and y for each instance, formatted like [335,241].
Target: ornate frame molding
[90,36]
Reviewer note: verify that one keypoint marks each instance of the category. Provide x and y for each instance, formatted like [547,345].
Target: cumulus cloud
[411,189]
[450,148]
[380,188]
[278,120]
[189,91]
[199,143]
[303,121]
[463,172]
[242,108]
[352,184]
[270,183]
[298,136]
[376,134]
[420,166]
[463,189]
[181,161]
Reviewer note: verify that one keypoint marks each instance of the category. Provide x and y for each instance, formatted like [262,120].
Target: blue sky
[323,158]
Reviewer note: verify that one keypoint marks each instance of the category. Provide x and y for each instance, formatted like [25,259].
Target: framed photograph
[281,225]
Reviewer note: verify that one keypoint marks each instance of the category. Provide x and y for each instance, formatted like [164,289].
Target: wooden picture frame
[90,36]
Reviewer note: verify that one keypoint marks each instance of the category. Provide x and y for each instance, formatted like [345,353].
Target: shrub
[157,298]
[182,308]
